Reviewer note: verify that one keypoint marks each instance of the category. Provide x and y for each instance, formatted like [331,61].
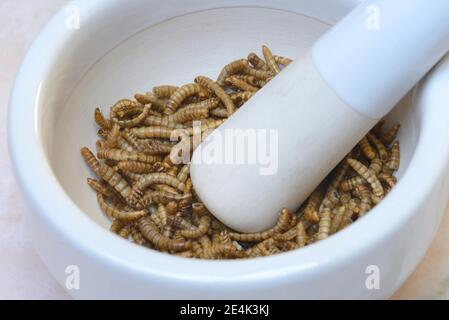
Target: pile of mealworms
[151,200]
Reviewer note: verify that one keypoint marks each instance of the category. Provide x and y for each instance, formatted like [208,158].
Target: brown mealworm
[271,62]
[369,176]
[136,167]
[158,105]
[230,69]
[134,121]
[281,226]
[301,235]
[282,60]
[337,219]
[198,232]
[240,84]
[259,74]
[218,91]
[394,161]
[123,155]
[313,205]
[381,149]
[165,91]
[184,173]
[118,214]
[325,224]
[153,132]
[376,166]
[365,197]
[101,121]
[389,136]
[351,183]
[151,233]
[183,93]
[257,62]
[366,148]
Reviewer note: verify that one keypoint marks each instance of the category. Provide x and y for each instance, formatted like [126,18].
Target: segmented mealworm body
[366,148]
[241,97]
[369,176]
[123,155]
[389,136]
[218,91]
[198,232]
[240,84]
[158,105]
[90,159]
[182,94]
[381,149]
[134,121]
[184,173]
[115,213]
[259,74]
[220,113]
[155,178]
[124,107]
[101,121]
[301,235]
[138,238]
[100,187]
[325,224]
[365,197]
[388,179]
[165,91]
[199,209]
[376,166]
[271,62]
[331,197]
[394,161]
[337,219]
[113,136]
[115,180]
[257,62]
[286,236]
[153,132]
[187,114]
[136,167]
[116,226]
[282,225]
[351,183]
[150,232]
[251,80]
[230,69]
[125,231]
[313,205]
[282,60]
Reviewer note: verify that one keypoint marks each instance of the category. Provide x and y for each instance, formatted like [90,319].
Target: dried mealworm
[366,148]
[381,149]
[351,183]
[199,209]
[220,113]
[337,219]
[281,226]
[123,155]
[376,166]
[241,96]
[251,80]
[365,197]
[90,159]
[301,235]
[325,224]
[117,225]
[115,180]
[136,167]
[259,74]
[182,94]
[218,91]
[101,121]
[148,98]
[138,238]
[286,236]
[151,233]
[187,114]
[100,187]
[134,121]
[230,69]
[240,84]
[158,178]
[184,173]
[313,205]
[198,232]
[389,179]
[153,132]
[282,60]
[125,107]
[125,231]
[331,198]
[113,136]
[394,161]
[271,62]
[165,91]
[369,176]
[118,214]
[257,62]
[389,136]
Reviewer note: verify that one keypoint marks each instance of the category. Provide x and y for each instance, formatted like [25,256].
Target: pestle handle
[378,52]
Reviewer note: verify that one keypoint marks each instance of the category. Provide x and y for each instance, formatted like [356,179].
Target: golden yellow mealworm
[257,62]
[351,183]
[376,166]
[301,235]
[90,159]
[381,149]
[134,121]
[325,224]
[157,105]
[389,179]
[369,176]
[389,136]
[366,148]
[153,132]
[365,197]
[282,60]
[198,232]
[151,233]
[136,167]
[218,91]
[165,91]
[122,155]
[182,94]
[337,219]
[118,214]
[271,62]
[113,136]
[259,74]
[313,206]
[101,121]
[219,113]
[240,84]
[230,69]
[394,161]
[251,80]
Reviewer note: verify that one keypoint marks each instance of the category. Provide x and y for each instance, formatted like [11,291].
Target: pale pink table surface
[22,274]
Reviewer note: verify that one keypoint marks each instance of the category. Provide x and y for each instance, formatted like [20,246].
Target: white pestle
[321,106]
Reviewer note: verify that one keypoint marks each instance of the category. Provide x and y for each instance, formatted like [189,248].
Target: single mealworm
[394,161]
[259,74]
[282,60]
[187,114]
[134,121]
[257,62]
[101,121]
[198,232]
[271,62]
[389,136]
[220,113]
[122,155]
[136,167]
[183,93]
[151,233]
[376,166]
[366,148]
[153,132]
[138,238]
[286,236]
[90,159]
[125,106]
[351,183]
[313,205]
[199,209]
[281,226]
[117,225]
[337,219]
[241,97]
[184,173]
[369,176]
[301,235]
[331,197]
[325,224]
[240,84]
[365,197]
[251,80]
[101,187]
[150,99]
[113,136]
[381,149]
[389,179]
[230,69]
[125,231]
[165,91]
[115,180]
[158,178]
[115,213]
[218,91]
